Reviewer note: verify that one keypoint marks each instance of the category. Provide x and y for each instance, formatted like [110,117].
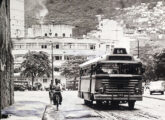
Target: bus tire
[90,102]
[131,104]
[150,93]
[98,103]
[115,104]
[85,102]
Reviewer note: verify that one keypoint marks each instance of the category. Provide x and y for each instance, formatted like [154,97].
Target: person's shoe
[60,103]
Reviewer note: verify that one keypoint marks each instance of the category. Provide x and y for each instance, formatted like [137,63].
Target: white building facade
[110,30]
[41,38]
[50,30]
[17,18]
[63,49]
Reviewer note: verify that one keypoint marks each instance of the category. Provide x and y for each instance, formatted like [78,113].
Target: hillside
[80,13]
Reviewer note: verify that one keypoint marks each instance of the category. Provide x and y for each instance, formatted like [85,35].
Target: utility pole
[52,61]
[138,47]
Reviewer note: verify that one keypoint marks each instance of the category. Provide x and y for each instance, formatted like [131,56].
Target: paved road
[73,108]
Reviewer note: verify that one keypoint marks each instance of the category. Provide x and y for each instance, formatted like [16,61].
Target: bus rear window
[120,58]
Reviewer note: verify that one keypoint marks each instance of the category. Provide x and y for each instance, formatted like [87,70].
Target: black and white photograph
[82,59]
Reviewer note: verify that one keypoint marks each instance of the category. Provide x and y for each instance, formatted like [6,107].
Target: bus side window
[99,70]
[81,72]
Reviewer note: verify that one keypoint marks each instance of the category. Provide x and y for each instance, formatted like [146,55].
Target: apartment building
[63,49]
[17,20]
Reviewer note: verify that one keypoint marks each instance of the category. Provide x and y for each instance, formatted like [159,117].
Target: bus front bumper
[117,97]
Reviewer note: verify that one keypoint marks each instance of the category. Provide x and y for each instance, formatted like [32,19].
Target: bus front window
[121,69]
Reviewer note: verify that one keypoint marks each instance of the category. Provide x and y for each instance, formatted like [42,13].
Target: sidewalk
[73,111]
[29,105]
[72,108]
[34,105]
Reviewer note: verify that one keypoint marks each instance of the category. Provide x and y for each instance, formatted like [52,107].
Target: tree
[36,64]
[159,59]
[70,69]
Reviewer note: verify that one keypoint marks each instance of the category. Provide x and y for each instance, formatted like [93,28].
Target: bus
[114,78]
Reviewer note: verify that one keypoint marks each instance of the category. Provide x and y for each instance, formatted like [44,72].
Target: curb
[51,113]
[43,116]
[163,99]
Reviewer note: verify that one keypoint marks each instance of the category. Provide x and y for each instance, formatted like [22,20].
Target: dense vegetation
[80,13]
[36,64]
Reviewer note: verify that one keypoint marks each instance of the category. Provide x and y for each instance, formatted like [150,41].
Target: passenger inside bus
[120,69]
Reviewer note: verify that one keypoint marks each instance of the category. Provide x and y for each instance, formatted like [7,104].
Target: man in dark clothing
[51,88]
[58,87]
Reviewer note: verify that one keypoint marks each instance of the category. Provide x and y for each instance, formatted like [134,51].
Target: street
[114,48]
[74,108]
[30,105]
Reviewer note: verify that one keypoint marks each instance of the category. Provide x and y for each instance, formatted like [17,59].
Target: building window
[56,35]
[69,46]
[82,46]
[57,46]
[92,47]
[63,34]
[107,47]
[69,57]
[50,34]
[45,80]
[56,69]
[112,47]
[44,46]
[31,45]
[19,46]
[66,57]
[57,57]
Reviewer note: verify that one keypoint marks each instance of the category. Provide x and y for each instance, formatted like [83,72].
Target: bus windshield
[120,68]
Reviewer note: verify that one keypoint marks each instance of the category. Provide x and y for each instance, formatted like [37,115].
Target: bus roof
[108,59]
[121,61]
[121,57]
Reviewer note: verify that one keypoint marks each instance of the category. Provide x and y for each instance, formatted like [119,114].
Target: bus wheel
[85,102]
[162,93]
[98,103]
[90,102]
[115,104]
[131,104]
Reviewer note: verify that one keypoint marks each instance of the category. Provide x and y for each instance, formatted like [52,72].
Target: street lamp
[52,60]
[138,46]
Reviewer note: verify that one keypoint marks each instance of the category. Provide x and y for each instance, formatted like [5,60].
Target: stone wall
[6,58]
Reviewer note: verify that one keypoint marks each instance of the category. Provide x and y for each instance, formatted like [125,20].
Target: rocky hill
[80,13]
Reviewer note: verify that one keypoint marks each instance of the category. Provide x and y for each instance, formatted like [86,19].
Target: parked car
[157,87]
[19,88]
